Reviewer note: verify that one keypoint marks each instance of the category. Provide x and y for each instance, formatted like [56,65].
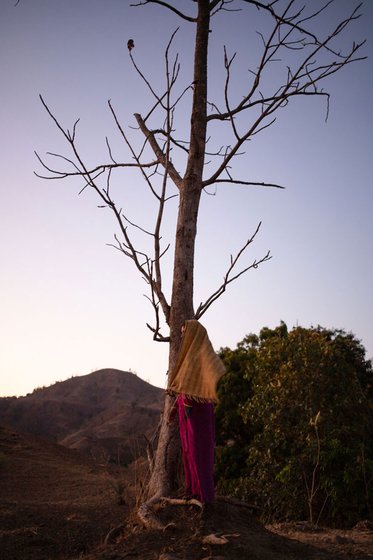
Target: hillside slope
[105,413]
[55,502]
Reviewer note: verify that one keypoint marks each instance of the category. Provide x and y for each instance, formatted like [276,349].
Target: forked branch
[169,7]
[319,60]
[231,275]
[148,267]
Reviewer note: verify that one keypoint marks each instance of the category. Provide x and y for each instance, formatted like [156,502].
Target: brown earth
[57,504]
[105,414]
[54,503]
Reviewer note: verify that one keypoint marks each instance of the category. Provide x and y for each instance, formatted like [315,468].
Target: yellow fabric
[198,368]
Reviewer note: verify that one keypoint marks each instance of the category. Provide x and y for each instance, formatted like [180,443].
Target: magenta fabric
[197,434]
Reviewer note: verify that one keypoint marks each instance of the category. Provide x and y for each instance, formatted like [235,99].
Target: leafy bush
[295,425]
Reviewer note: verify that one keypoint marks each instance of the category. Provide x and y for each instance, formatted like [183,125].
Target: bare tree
[313,58]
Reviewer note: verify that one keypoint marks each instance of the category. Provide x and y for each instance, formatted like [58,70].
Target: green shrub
[304,446]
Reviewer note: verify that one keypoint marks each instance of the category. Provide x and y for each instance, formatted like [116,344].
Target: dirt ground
[58,505]
[54,503]
[195,535]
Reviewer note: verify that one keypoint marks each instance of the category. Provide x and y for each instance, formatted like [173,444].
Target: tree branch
[126,246]
[103,167]
[168,6]
[203,307]
[281,18]
[241,182]
[174,175]
[135,157]
[303,80]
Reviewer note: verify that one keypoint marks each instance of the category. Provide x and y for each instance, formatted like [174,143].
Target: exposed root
[113,534]
[147,511]
[182,502]
[148,518]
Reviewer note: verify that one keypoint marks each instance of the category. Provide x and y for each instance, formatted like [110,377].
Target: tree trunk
[164,471]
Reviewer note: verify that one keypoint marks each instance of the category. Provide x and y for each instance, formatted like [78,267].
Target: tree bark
[164,470]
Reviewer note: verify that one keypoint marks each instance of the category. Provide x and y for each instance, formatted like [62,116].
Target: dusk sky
[71,304]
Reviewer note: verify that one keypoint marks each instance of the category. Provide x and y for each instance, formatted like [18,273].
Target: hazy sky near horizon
[69,303]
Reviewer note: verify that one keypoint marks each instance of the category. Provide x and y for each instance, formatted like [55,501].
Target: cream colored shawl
[198,368]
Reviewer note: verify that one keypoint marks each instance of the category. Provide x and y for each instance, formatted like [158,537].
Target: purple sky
[69,303]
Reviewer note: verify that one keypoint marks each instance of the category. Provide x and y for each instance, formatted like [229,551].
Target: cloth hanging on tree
[197,434]
[198,368]
[194,381]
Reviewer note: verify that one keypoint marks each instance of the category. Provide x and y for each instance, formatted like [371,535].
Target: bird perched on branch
[130,44]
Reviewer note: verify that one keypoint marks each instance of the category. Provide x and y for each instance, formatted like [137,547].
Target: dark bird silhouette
[130,44]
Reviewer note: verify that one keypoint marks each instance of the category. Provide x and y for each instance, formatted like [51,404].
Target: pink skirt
[197,434]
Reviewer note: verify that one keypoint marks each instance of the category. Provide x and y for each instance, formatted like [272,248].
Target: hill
[106,413]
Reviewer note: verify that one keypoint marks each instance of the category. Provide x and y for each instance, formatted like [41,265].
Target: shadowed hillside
[106,413]
[54,501]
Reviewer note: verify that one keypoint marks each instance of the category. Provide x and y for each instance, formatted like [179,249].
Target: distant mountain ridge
[106,413]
